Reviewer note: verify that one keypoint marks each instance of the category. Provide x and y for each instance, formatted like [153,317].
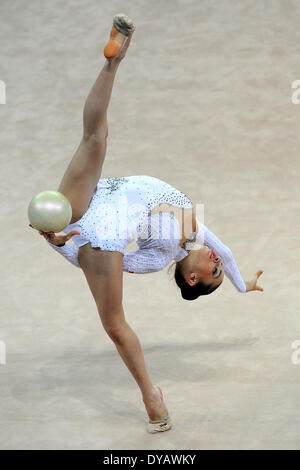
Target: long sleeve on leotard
[70,252]
[227,258]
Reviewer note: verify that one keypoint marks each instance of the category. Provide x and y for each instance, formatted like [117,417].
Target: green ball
[49,211]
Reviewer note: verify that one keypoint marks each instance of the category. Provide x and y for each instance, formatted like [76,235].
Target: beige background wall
[203,101]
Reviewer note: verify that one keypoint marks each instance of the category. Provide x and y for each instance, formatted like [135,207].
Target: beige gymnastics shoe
[161,424]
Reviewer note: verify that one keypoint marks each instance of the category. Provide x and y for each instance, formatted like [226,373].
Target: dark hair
[191,292]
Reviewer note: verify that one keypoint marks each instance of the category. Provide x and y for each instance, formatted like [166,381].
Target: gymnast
[161,219]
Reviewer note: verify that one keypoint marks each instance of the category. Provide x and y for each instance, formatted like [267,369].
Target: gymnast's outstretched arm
[230,267]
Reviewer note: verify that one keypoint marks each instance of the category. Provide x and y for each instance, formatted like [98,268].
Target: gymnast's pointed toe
[123,24]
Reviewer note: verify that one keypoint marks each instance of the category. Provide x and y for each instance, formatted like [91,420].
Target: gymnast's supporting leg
[129,348]
[84,170]
[103,272]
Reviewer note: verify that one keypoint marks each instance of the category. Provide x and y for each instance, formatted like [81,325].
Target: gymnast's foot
[155,406]
[120,36]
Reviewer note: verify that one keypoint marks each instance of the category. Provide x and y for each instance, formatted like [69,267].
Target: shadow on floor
[96,379]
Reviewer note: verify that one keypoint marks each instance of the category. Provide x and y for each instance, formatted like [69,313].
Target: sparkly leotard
[119,214]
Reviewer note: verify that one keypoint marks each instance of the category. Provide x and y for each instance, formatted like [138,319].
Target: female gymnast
[99,238]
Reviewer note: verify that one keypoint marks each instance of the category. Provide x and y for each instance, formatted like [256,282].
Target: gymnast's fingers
[259,288]
[74,232]
[71,234]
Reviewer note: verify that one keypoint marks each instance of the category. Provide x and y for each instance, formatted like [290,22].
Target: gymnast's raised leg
[84,170]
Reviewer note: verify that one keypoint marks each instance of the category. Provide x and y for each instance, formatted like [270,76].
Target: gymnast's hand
[251,285]
[57,239]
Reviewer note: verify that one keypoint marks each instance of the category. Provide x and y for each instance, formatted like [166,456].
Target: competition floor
[202,100]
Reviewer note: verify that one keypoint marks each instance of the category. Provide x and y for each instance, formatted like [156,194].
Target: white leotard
[118,214]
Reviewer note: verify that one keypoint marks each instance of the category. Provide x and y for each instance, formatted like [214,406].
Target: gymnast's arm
[58,243]
[230,267]
[67,251]
[139,262]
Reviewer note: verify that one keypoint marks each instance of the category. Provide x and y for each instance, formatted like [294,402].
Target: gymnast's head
[199,273]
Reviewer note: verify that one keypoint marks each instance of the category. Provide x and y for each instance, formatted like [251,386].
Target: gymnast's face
[202,265]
